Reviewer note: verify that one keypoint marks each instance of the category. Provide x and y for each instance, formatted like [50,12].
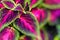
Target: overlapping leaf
[7,17]
[27,24]
[31,3]
[9,33]
[19,8]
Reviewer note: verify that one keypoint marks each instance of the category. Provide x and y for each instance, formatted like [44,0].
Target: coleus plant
[24,15]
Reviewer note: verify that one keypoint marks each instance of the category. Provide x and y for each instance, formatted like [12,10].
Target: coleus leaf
[40,14]
[55,16]
[43,35]
[9,33]
[52,1]
[51,4]
[27,24]
[19,7]
[34,3]
[8,4]
[7,17]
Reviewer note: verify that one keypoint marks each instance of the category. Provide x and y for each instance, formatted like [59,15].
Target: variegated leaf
[55,16]
[27,24]
[19,7]
[9,33]
[8,4]
[7,17]
[40,14]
